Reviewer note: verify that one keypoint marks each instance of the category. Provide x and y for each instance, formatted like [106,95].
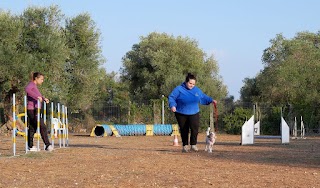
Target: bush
[233,122]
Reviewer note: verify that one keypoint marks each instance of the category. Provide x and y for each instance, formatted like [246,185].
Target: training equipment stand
[248,133]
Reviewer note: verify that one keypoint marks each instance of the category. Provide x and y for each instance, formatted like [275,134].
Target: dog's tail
[208,131]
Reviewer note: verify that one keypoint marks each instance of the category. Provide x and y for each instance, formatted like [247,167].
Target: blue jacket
[187,100]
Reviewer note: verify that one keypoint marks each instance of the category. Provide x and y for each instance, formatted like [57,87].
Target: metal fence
[158,112]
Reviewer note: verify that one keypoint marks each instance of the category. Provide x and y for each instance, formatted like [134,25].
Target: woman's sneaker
[185,149]
[49,148]
[33,148]
[194,148]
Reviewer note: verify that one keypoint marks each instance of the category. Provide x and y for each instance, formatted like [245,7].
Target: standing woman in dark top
[33,95]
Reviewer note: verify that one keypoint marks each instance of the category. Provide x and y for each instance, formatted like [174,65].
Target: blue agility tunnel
[132,130]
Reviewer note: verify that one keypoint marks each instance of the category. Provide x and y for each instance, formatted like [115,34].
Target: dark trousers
[33,120]
[187,122]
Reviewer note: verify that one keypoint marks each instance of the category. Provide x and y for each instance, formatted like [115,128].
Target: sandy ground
[152,161]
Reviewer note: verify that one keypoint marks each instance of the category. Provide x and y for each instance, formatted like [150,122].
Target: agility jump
[248,133]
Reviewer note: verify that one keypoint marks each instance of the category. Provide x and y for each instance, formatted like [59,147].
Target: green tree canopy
[33,42]
[291,70]
[290,76]
[159,62]
[84,61]
[68,55]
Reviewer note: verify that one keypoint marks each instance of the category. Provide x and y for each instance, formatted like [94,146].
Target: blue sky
[235,31]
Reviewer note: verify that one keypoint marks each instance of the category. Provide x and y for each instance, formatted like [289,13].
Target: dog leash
[216,115]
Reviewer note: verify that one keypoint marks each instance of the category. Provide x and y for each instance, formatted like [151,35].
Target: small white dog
[210,140]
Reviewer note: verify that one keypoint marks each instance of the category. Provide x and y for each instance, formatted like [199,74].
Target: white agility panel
[285,132]
[247,132]
[257,128]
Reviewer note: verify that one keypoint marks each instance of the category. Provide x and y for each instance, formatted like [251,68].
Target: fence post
[162,110]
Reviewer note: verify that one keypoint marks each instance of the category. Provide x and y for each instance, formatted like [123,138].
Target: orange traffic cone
[175,140]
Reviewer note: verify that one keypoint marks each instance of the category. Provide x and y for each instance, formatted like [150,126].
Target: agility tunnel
[101,130]
[135,130]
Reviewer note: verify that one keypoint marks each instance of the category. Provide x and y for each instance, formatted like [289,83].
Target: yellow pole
[52,126]
[14,124]
[26,123]
[38,126]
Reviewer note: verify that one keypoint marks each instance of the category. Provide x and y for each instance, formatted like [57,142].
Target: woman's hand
[40,99]
[173,109]
[46,100]
[214,102]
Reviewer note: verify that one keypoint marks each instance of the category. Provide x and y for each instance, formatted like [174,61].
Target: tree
[233,122]
[290,76]
[69,56]
[249,92]
[84,73]
[83,64]
[10,29]
[31,42]
[159,62]
[44,49]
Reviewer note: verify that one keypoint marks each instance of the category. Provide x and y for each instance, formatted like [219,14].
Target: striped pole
[59,133]
[14,124]
[45,112]
[26,122]
[162,110]
[52,126]
[67,126]
[63,127]
[38,126]
[302,129]
[44,117]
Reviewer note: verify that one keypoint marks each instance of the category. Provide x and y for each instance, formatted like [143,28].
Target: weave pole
[26,123]
[14,123]
[59,135]
[38,126]
[44,117]
[67,126]
[52,126]
[63,126]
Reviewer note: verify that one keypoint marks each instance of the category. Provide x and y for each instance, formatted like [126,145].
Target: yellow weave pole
[59,133]
[67,126]
[52,126]
[38,126]
[26,123]
[63,126]
[14,123]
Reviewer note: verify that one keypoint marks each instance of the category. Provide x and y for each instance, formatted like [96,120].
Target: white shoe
[194,148]
[49,148]
[34,148]
[185,149]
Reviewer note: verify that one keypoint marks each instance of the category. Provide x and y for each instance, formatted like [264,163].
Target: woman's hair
[190,77]
[35,75]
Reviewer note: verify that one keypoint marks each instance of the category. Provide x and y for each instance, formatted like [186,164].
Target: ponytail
[35,75]
[190,77]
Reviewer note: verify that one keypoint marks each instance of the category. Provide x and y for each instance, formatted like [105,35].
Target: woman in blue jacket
[184,102]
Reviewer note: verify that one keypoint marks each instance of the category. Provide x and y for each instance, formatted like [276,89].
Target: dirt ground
[152,161]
